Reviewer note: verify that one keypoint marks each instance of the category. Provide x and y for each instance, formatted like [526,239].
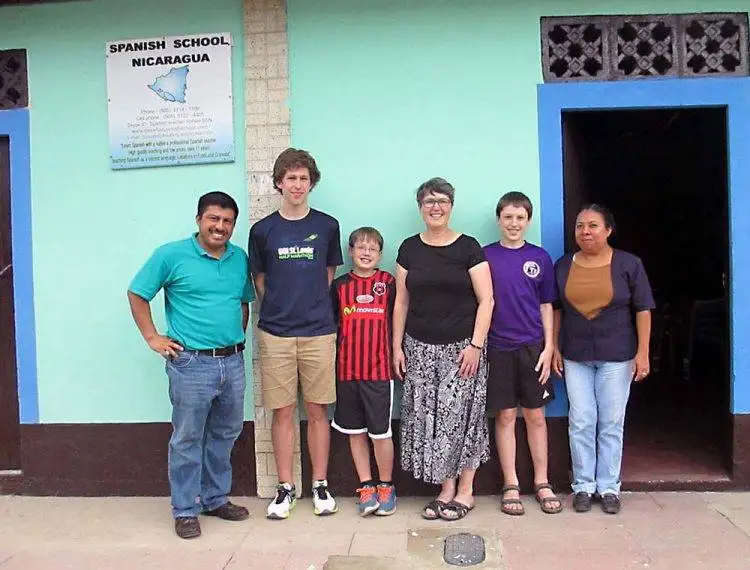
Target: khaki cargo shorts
[287,363]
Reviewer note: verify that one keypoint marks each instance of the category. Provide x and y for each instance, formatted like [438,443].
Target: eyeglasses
[430,203]
[366,249]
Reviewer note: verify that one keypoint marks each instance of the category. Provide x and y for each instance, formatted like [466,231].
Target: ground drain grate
[464,549]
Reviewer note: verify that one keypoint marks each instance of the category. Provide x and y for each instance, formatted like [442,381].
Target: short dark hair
[220,199]
[366,233]
[603,211]
[435,186]
[291,159]
[517,199]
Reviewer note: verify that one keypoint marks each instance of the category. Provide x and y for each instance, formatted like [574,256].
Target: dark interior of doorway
[664,174]
[10,432]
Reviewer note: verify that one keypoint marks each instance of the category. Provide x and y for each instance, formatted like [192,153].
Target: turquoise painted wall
[93,227]
[388,93]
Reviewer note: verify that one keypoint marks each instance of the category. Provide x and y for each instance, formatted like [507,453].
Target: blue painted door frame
[734,95]
[15,125]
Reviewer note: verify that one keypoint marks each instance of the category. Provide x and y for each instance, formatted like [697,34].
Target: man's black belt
[223,351]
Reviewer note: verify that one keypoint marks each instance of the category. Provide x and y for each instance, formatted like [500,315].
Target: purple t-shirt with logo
[522,280]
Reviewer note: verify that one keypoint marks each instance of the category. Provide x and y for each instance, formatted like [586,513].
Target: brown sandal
[435,506]
[505,504]
[458,509]
[544,502]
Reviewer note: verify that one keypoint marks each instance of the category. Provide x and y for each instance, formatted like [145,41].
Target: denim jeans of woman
[207,397]
[598,394]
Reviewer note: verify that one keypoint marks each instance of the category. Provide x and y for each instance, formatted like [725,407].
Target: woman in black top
[441,317]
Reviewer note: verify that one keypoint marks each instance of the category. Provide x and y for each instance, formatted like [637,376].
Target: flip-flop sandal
[505,504]
[460,509]
[435,506]
[544,502]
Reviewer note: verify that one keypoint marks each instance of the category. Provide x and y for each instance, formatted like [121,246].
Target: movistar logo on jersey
[311,237]
[355,309]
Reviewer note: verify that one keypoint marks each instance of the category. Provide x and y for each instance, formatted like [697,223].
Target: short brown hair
[517,199]
[366,233]
[435,186]
[291,159]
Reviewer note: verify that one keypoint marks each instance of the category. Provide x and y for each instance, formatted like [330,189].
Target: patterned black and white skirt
[443,416]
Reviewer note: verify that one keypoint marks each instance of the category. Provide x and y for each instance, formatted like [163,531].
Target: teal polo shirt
[202,294]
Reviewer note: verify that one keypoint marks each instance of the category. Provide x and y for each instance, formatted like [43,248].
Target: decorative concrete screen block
[714,44]
[644,46]
[574,49]
[608,48]
[14,79]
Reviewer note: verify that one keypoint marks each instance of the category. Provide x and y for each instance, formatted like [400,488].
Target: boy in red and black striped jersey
[363,306]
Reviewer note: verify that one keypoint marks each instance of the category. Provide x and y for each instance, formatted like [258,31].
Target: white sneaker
[323,502]
[282,505]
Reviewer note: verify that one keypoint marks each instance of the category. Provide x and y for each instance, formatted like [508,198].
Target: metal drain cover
[464,549]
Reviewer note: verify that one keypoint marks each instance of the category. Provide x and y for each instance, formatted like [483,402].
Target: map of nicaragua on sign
[170,100]
[172,86]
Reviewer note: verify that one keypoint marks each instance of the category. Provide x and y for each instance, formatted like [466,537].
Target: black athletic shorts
[512,379]
[364,406]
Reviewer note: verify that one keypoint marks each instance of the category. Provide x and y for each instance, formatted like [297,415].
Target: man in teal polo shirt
[206,294]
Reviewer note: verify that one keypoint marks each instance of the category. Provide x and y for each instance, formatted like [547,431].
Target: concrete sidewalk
[664,531]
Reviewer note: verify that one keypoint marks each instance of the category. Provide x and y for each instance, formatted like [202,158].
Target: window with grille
[14,82]
[612,48]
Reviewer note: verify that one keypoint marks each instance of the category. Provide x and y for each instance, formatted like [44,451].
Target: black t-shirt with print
[442,303]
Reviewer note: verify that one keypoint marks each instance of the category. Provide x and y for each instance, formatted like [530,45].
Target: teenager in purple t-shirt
[520,349]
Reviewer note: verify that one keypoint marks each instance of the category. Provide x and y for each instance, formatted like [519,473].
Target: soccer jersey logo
[365,299]
[350,310]
[531,268]
[311,237]
[378,288]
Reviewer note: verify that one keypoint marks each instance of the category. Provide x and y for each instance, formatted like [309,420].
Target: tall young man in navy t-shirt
[294,253]
[520,348]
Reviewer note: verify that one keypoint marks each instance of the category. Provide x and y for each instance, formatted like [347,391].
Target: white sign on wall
[170,101]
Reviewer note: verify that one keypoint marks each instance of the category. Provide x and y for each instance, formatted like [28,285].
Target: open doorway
[10,435]
[664,174]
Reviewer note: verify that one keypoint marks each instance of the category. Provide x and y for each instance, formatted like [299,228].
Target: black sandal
[544,502]
[460,509]
[506,503]
[435,506]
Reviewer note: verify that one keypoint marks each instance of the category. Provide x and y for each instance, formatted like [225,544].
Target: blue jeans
[598,394]
[207,397]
